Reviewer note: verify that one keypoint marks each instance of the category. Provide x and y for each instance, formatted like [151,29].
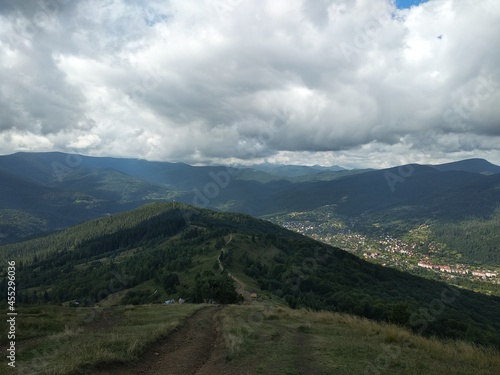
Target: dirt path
[192,349]
[240,286]
[104,319]
[304,359]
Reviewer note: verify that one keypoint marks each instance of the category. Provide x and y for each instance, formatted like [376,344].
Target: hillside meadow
[258,337]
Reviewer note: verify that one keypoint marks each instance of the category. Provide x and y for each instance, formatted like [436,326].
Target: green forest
[477,239]
[175,250]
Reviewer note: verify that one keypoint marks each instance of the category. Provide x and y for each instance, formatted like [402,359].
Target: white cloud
[361,83]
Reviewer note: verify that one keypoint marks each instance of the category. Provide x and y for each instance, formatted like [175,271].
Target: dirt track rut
[188,351]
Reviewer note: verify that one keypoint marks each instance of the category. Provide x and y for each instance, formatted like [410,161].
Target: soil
[195,348]
[103,320]
[304,361]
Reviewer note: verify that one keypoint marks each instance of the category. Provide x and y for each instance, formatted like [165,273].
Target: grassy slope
[61,340]
[259,338]
[264,337]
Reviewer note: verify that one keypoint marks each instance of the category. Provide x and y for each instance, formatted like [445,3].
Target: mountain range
[104,235]
[41,192]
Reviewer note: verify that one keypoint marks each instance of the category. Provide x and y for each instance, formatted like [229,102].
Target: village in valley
[413,252]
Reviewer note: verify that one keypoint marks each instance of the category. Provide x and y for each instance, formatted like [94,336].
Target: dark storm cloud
[209,81]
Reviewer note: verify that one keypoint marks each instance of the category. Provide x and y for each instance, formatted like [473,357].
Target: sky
[357,83]
[402,4]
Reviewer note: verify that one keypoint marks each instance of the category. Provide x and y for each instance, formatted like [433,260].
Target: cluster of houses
[360,244]
[393,245]
[458,271]
[304,227]
[484,274]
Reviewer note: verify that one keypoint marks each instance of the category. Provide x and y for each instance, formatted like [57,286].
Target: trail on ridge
[196,348]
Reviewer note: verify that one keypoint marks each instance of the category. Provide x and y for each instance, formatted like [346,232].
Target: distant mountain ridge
[470,165]
[295,170]
[55,190]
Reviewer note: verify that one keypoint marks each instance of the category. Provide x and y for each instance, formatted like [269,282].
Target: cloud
[242,81]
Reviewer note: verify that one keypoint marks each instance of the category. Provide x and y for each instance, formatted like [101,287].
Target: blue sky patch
[402,4]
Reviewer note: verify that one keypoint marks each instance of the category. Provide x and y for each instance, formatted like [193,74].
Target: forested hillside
[161,251]
[55,190]
[477,239]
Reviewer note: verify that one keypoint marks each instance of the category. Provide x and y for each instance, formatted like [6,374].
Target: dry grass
[458,353]
[233,342]
[72,348]
[260,337]
[236,330]
[344,344]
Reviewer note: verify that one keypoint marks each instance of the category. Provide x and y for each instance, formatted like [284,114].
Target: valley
[230,187]
[42,192]
[418,251]
[338,264]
